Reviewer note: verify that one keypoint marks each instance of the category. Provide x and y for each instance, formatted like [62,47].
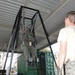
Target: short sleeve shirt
[67,34]
[62,35]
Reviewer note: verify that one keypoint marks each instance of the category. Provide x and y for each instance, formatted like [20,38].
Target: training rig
[13,42]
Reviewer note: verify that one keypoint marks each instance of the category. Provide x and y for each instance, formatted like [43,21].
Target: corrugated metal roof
[52,11]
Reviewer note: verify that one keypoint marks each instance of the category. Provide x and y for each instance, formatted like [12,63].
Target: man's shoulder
[63,29]
[70,28]
[66,28]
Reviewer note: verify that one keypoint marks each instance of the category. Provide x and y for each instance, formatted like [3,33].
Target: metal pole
[12,57]
[27,18]
[10,40]
[34,15]
[7,51]
[16,20]
[33,29]
[15,37]
[47,36]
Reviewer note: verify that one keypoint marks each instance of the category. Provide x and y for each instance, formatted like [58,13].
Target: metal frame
[13,39]
[15,32]
[45,31]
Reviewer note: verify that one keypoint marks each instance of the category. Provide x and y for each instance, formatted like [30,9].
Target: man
[27,47]
[66,39]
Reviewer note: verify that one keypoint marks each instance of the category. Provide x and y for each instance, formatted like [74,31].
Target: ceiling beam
[39,34]
[42,6]
[27,2]
[46,45]
[45,40]
[54,12]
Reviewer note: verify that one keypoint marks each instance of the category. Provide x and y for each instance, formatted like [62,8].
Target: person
[27,47]
[66,39]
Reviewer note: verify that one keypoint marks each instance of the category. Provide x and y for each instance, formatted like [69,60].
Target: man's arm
[62,53]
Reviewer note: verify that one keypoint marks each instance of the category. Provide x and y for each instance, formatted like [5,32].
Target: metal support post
[34,15]
[11,57]
[7,51]
[47,36]
[10,40]
[15,31]
[27,18]
[16,20]
[33,31]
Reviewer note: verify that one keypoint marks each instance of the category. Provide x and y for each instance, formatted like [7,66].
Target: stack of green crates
[27,70]
[33,71]
[21,63]
[49,63]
